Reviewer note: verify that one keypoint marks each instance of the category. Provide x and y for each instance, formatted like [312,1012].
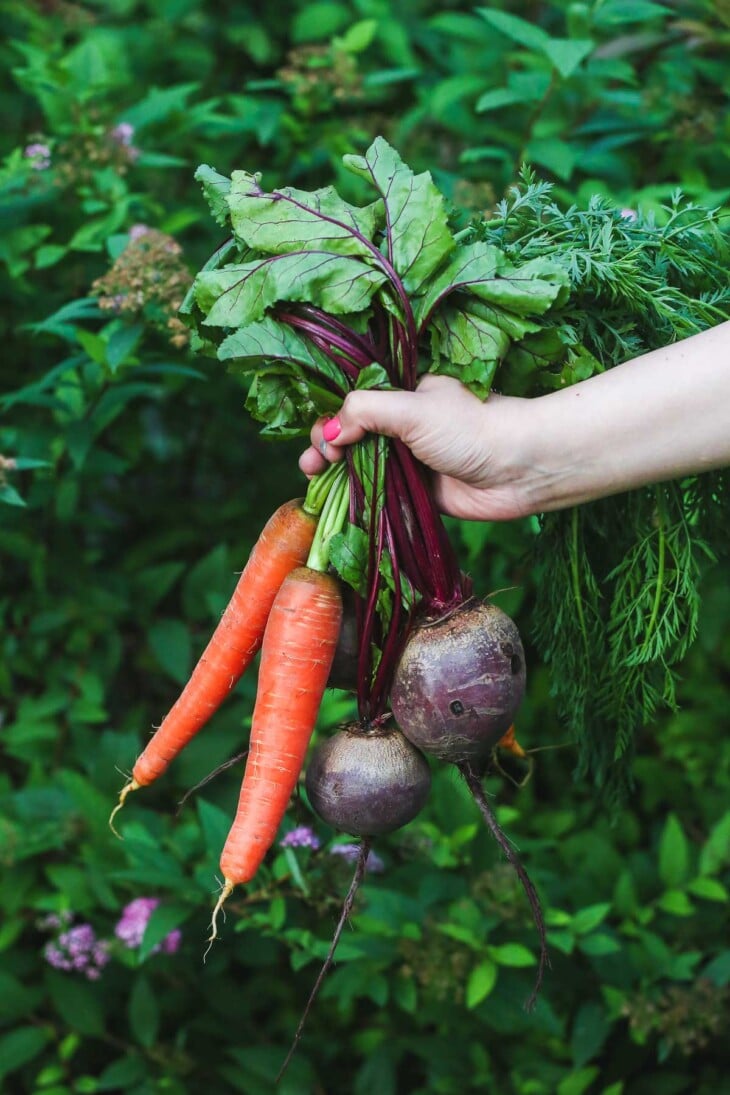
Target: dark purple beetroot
[459,682]
[367,782]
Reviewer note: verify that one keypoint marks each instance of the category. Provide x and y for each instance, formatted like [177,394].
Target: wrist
[552,453]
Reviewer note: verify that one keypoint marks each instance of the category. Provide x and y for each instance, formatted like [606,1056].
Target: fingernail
[331,429]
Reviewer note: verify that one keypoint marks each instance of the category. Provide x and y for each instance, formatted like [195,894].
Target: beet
[459,682]
[367,782]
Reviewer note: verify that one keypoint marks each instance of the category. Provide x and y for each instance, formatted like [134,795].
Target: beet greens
[313,297]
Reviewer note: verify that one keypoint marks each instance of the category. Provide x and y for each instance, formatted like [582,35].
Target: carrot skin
[296,657]
[283,545]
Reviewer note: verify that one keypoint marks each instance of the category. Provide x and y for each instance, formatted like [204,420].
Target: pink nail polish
[331,429]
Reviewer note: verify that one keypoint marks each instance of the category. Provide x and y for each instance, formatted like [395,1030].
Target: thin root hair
[360,868]
[480,797]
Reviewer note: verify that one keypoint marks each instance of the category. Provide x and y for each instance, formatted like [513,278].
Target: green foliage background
[132,486]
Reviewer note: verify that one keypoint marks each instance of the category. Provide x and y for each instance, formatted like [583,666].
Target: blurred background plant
[132,486]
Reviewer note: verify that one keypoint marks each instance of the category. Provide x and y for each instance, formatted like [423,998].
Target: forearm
[659,417]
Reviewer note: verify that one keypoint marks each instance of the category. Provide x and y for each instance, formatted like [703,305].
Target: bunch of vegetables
[310,297]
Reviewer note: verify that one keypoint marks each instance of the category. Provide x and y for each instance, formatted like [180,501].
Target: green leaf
[512,954]
[357,37]
[79,1005]
[170,643]
[598,944]
[483,270]
[519,30]
[164,919]
[566,54]
[236,296]
[122,344]
[676,903]
[674,866]
[300,220]
[207,585]
[578,1081]
[372,376]
[416,224]
[318,21]
[498,97]
[716,852]
[16,999]
[282,401]
[588,918]
[620,12]
[214,824]
[718,970]
[556,155]
[591,1028]
[143,1013]
[348,554]
[123,1074]
[711,889]
[480,983]
[468,347]
[10,496]
[20,1046]
[216,189]
[260,344]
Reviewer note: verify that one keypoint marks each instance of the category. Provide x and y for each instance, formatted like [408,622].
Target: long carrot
[296,657]
[284,544]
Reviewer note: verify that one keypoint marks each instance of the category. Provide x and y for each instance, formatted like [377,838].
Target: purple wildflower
[171,943]
[301,837]
[78,950]
[135,917]
[54,921]
[350,852]
[123,133]
[39,154]
[138,230]
[133,924]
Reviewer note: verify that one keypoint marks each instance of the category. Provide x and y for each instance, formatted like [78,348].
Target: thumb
[390,413]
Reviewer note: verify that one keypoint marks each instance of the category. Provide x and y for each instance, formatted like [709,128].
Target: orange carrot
[284,544]
[299,645]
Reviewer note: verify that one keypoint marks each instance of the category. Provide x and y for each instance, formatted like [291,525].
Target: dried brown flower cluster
[686,1017]
[149,279]
[77,158]
[316,77]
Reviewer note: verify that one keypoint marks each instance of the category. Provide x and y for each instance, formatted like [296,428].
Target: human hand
[472,447]
[661,416]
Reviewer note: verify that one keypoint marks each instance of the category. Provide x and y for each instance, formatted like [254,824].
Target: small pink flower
[39,155]
[171,943]
[133,924]
[350,852]
[78,949]
[123,133]
[301,837]
[138,230]
[628,214]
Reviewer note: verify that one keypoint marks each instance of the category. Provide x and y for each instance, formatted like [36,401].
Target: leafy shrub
[131,487]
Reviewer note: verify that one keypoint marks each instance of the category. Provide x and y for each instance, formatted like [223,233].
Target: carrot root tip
[224,894]
[131,786]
